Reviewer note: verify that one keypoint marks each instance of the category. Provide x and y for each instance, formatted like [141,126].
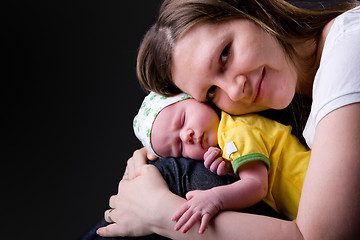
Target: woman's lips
[258,85]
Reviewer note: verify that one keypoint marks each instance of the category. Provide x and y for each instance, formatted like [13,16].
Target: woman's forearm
[328,206]
[226,225]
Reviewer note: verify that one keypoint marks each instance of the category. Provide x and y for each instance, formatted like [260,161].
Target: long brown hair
[290,25]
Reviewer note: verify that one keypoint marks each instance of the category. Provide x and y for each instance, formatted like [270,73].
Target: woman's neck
[308,60]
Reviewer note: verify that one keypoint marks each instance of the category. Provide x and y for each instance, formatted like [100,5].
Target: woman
[248,56]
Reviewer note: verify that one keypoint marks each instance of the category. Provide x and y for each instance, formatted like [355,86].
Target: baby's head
[176,126]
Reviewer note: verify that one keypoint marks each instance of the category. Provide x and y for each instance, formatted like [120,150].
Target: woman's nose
[187,136]
[235,87]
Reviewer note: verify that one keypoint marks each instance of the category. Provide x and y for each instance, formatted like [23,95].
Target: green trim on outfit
[238,162]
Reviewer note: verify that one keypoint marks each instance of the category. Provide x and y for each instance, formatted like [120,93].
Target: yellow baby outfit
[252,137]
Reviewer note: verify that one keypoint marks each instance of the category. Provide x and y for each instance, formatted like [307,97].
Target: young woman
[248,56]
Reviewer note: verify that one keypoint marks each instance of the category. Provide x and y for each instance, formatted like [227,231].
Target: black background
[71,93]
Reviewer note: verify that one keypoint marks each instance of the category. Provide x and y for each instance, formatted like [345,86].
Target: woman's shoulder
[337,81]
[350,19]
[345,28]
[339,71]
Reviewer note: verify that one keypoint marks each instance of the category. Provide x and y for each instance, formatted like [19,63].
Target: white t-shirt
[337,81]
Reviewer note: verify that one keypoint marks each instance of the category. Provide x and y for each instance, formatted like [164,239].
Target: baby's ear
[151,156]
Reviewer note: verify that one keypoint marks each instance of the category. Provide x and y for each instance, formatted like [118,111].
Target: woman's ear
[151,156]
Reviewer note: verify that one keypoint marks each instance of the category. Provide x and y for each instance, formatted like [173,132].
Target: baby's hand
[214,161]
[201,205]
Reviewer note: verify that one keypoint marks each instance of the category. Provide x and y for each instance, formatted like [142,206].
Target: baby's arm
[203,205]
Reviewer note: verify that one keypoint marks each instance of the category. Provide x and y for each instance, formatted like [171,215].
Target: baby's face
[185,129]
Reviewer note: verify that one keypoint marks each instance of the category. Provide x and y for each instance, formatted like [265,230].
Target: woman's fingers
[113,201]
[151,156]
[111,230]
[135,163]
[130,215]
[138,160]
[107,216]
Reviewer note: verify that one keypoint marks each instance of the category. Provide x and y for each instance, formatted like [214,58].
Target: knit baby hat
[150,108]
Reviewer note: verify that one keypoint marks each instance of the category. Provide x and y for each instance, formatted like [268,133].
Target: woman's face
[234,64]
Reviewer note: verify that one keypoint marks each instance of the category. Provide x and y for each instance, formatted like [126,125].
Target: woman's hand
[121,214]
[135,207]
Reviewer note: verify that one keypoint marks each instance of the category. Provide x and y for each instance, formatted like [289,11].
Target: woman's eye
[211,93]
[224,56]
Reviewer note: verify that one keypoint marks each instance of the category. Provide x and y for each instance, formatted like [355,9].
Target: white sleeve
[337,81]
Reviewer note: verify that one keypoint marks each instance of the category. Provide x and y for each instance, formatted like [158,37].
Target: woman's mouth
[258,85]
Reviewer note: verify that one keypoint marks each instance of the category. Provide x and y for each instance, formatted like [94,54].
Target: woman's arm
[203,205]
[144,205]
[329,206]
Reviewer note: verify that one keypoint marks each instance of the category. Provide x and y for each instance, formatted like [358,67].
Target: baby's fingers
[204,222]
[209,157]
[191,222]
[215,165]
[180,212]
[220,168]
[184,218]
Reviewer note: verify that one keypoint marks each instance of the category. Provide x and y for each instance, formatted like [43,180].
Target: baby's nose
[188,136]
